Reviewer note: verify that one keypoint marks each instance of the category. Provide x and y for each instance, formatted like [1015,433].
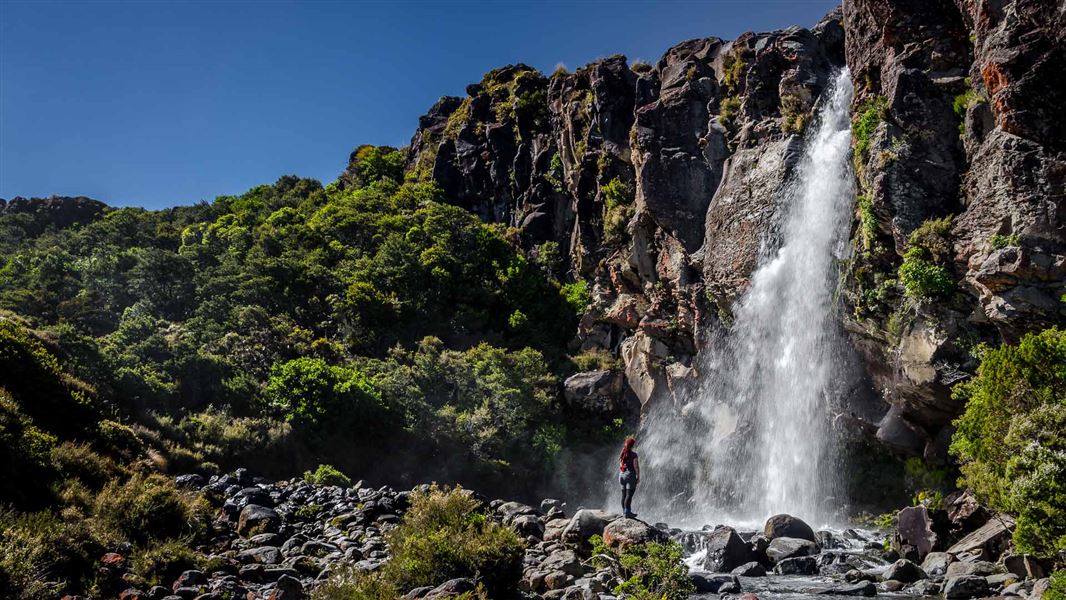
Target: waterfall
[754,439]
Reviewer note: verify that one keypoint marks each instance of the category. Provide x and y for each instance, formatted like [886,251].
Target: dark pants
[628,480]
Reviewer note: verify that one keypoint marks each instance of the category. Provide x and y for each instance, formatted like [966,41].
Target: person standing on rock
[629,477]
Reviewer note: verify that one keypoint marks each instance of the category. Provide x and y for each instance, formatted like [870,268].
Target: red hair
[627,447]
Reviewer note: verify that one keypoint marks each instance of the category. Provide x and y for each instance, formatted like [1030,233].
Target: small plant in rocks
[648,571]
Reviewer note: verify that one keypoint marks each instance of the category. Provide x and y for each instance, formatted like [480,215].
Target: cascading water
[755,437]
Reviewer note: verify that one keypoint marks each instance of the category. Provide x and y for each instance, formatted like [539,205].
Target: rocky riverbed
[280,540]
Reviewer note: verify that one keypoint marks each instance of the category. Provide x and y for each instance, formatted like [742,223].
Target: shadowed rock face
[660,185]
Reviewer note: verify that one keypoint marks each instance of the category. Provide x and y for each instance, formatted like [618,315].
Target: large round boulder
[622,533]
[584,524]
[782,525]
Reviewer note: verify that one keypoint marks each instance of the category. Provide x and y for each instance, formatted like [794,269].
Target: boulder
[622,533]
[966,586]
[565,561]
[528,526]
[936,563]
[721,583]
[798,565]
[921,528]
[256,519]
[596,392]
[750,569]
[782,548]
[787,526]
[287,588]
[988,541]
[904,571]
[584,524]
[982,568]
[452,588]
[725,551]
[1025,566]
[190,578]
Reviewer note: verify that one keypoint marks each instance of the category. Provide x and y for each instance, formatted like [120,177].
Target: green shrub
[577,295]
[444,535]
[595,359]
[618,201]
[728,110]
[162,562]
[374,163]
[734,70]
[119,439]
[922,279]
[42,555]
[78,461]
[867,221]
[870,114]
[649,571]
[145,508]
[1000,241]
[311,394]
[794,117]
[924,273]
[1057,588]
[327,475]
[1009,439]
[963,102]
[350,583]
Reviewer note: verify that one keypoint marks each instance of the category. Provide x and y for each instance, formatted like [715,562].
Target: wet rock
[861,588]
[966,586]
[787,526]
[783,548]
[925,587]
[708,583]
[750,569]
[622,533]
[799,565]
[725,551]
[904,571]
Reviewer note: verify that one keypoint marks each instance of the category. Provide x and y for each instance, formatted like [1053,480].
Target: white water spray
[755,438]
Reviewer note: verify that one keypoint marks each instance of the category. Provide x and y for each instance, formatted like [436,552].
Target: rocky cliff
[657,184]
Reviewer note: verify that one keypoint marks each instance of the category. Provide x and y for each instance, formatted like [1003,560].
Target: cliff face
[658,185]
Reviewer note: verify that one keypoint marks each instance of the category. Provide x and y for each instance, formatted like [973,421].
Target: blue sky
[163,103]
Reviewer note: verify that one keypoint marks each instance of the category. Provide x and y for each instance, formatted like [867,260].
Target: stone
[936,563]
[798,565]
[787,526]
[904,571]
[565,561]
[548,504]
[622,533]
[287,588]
[750,569]
[584,524]
[782,548]
[988,541]
[925,587]
[452,588]
[1024,566]
[860,588]
[266,555]
[257,519]
[596,392]
[725,551]
[708,583]
[190,578]
[1040,587]
[977,567]
[966,586]
[922,528]
[528,526]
